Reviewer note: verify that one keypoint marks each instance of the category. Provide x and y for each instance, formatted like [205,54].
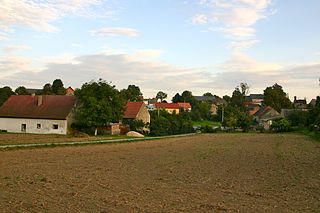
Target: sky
[163,45]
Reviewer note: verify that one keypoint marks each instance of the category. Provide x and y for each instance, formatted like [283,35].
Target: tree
[281,125]
[161,95]
[47,90]
[5,93]
[101,104]
[57,85]
[132,93]
[275,97]
[208,94]
[227,98]
[177,98]
[22,91]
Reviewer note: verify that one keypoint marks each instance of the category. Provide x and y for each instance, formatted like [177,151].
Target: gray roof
[204,98]
[256,96]
[32,91]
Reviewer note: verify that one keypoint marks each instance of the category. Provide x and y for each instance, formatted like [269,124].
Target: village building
[185,106]
[44,114]
[33,91]
[254,99]
[169,107]
[69,91]
[265,115]
[299,103]
[137,111]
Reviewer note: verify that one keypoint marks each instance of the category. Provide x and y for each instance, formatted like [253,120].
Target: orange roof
[184,105]
[132,109]
[26,106]
[167,105]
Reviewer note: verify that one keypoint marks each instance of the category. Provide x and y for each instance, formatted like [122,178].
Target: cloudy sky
[169,45]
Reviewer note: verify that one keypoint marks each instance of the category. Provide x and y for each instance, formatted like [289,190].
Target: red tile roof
[167,105]
[132,109]
[26,106]
[184,105]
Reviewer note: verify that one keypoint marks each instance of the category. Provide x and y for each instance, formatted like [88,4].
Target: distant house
[265,115]
[33,91]
[47,114]
[185,106]
[137,111]
[313,102]
[254,99]
[150,101]
[299,103]
[69,91]
[169,107]
[205,98]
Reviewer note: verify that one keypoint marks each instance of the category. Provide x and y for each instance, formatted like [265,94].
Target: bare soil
[19,138]
[201,173]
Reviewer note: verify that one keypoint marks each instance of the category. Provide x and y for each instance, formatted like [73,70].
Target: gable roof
[262,111]
[132,109]
[167,105]
[204,98]
[26,106]
[184,105]
[257,96]
[32,91]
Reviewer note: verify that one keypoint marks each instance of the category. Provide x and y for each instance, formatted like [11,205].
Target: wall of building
[32,125]
[143,114]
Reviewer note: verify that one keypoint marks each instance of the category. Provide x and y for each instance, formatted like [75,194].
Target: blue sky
[168,45]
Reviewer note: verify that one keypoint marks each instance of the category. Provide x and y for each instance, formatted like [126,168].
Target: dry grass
[217,172]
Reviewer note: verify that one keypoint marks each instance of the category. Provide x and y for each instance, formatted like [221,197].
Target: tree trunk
[96,131]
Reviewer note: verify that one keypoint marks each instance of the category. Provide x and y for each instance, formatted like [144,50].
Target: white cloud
[243,44]
[3,38]
[13,49]
[316,53]
[39,14]
[235,17]
[75,45]
[12,65]
[147,54]
[115,32]
[200,19]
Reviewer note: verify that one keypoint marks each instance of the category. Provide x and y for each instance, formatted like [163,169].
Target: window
[38,126]
[23,127]
[55,126]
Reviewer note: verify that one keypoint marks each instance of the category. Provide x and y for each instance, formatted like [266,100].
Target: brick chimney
[39,100]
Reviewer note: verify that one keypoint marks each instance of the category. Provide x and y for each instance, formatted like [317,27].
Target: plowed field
[201,173]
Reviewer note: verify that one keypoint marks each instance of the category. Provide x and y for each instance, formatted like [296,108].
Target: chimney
[33,94]
[295,98]
[39,100]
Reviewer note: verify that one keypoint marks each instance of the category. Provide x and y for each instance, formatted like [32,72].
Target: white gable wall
[46,125]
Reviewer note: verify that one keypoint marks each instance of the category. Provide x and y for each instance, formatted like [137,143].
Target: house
[137,111]
[33,91]
[313,102]
[69,91]
[169,107]
[44,114]
[205,98]
[253,108]
[299,103]
[265,115]
[150,101]
[254,99]
[185,106]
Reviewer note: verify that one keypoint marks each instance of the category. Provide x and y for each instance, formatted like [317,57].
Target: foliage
[298,118]
[132,93]
[22,91]
[101,104]
[47,90]
[5,93]
[208,94]
[163,123]
[161,95]
[57,86]
[227,98]
[244,120]
[204,110]
[135,125]
[281,125]
[238,97]
[276,98]
[176,98]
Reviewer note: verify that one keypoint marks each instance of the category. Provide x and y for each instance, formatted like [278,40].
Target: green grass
[205,123]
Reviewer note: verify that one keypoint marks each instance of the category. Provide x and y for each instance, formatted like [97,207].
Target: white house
[44,114]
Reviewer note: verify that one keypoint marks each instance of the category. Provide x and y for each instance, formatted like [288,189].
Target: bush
[281,125]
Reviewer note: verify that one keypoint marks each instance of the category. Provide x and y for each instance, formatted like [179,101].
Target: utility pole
[222,115]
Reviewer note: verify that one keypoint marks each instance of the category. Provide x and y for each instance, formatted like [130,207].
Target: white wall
[14,125]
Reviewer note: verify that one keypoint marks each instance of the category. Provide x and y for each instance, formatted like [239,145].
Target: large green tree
[101,104]
[275,97]
[22,91]
[208,94]
[177,98]
[132,93]
[57,87]
[5,93]
[238,97]
[161,95]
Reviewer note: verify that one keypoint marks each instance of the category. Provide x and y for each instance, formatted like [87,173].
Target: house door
[23,127]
